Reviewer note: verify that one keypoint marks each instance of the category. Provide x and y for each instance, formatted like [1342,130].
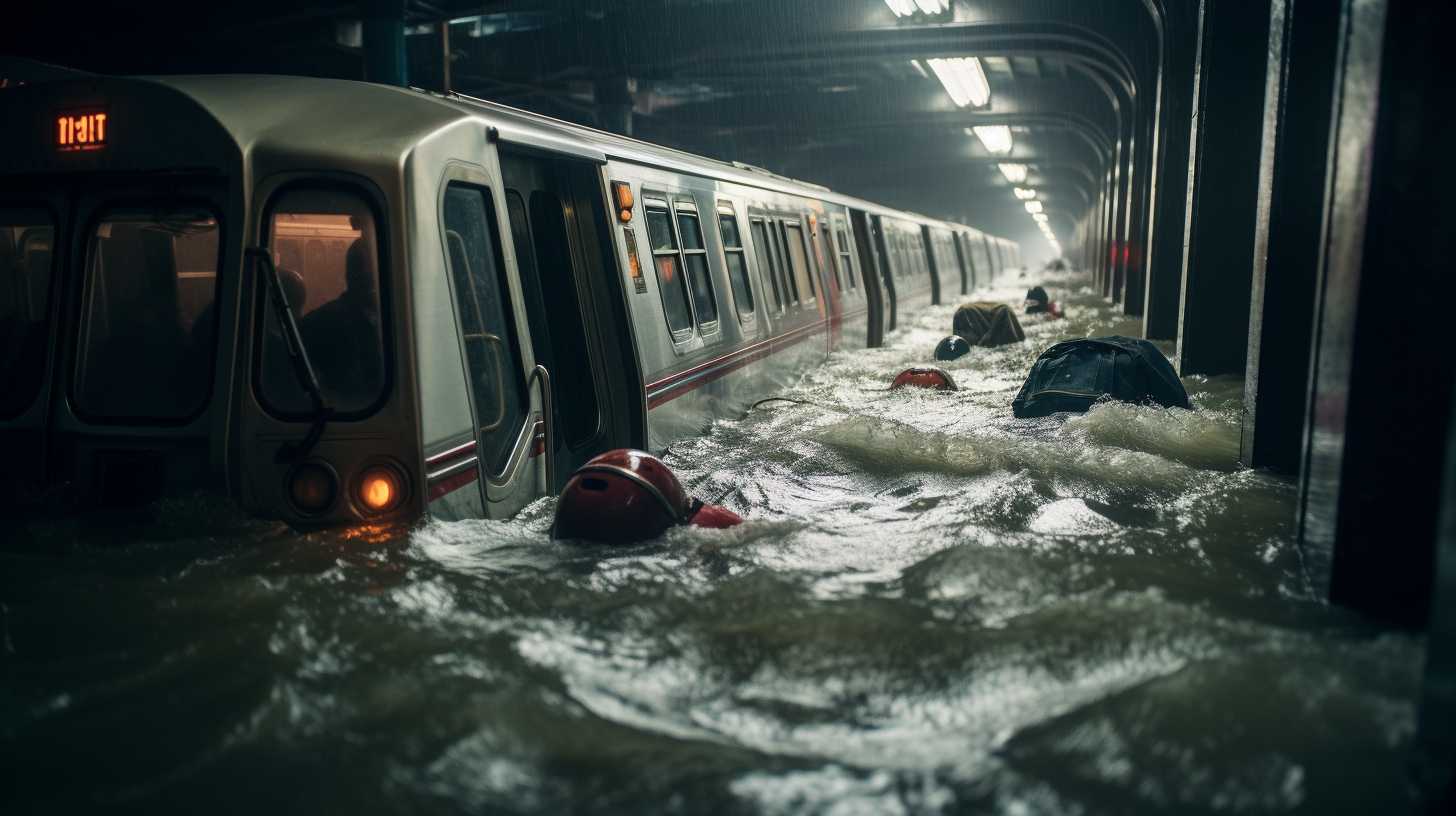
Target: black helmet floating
[937,379]
[951,347]
[1036,300]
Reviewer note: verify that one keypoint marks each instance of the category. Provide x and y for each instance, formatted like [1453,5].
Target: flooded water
[933,607]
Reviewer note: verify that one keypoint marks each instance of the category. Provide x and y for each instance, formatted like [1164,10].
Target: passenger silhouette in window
[343,337]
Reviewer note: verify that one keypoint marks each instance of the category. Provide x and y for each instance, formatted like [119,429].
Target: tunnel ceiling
[838,92]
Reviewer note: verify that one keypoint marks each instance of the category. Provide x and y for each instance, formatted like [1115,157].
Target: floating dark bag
[987,324]
[1072,375]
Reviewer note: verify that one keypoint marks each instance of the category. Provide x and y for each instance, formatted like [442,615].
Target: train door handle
[540,373]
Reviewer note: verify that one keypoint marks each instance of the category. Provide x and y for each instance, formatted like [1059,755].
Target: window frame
[765,230]
[841,246]
[781,234]
[825,243]
[80,263]
[653,200]
[52,283]
[374,200]
[682,204]
[725,209]
[492,228]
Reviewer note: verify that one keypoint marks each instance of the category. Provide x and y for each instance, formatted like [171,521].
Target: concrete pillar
[1164,279]
[1303,44]
[1213,326]
[384,60]
[1383,370]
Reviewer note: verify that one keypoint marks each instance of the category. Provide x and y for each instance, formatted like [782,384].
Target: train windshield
[327,253]
[147,343]
[26,241]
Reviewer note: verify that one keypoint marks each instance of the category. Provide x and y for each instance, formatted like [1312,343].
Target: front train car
[205,287]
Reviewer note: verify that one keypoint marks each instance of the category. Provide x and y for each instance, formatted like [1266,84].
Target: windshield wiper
[303,370]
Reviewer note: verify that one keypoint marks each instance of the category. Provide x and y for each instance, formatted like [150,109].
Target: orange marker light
[622,192]
[380,489]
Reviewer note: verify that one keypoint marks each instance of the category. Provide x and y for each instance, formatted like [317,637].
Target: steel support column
[1213,330]
[1303,45]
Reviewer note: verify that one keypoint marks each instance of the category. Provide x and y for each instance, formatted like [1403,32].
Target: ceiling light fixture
[996,138]
[905,8]
[1014,173]
[1040,218]
[1033,206]
[1025,193]
[963,78]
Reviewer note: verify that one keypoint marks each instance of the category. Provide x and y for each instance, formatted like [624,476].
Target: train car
[337,302]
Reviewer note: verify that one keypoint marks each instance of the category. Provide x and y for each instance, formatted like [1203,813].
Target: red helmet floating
[620,497]
[924,377]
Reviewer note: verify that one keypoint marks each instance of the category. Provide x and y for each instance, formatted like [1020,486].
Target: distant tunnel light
[1014,173]
[996,138]
[1033,206]
[964,80]
[1025,193]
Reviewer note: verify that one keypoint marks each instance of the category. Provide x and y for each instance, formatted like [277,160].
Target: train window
[497,382]
[764,253]
[695,258]
[844,256]
[791,276]
[736,263]
[146,347]
[27,240]
[670,280]
[829,258]
[327,252]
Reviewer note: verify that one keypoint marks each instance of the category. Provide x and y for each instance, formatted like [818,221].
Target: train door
[871,276]
[882,249]
[578,322]
[935,260]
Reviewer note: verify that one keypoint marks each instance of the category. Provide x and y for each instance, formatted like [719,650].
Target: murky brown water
[933,607]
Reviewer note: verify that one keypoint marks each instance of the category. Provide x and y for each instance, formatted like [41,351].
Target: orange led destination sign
[80,131]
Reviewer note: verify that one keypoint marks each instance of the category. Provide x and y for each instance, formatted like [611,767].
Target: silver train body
[278,289]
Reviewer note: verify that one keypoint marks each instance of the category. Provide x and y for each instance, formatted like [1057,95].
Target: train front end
[155,322]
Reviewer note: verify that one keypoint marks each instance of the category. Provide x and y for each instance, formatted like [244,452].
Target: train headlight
[312,487]
[380,489]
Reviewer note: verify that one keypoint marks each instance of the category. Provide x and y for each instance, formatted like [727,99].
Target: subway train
[339,303]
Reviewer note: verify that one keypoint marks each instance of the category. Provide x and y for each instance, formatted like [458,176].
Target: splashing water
[932,607]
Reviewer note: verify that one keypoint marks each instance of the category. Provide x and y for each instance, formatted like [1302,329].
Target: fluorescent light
[1033,206]
[905,8]
[1014,173]
[996,138]
[1025,193]
[963,78]
[1040,218]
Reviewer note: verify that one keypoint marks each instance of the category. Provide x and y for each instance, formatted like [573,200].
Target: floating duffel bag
[987,324]
[1072,375]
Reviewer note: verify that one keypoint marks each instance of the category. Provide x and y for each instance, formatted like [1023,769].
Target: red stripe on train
[453,482]
[447,456]
[673,386]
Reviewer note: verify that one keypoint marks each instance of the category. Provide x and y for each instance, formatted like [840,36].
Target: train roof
[307,113]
